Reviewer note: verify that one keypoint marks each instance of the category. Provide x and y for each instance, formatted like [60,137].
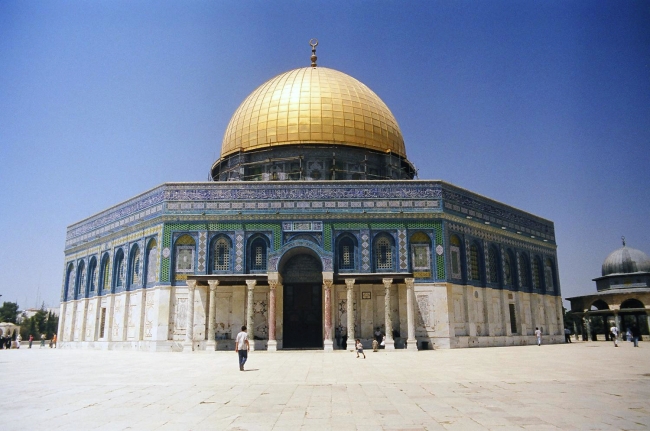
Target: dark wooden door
[303,316]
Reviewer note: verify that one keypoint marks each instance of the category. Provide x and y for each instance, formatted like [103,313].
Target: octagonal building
[312,230]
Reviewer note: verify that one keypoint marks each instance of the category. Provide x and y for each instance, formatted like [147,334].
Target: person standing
[31,339]
[54,340]
[538,334]
[359,348]
[614,331]
[636,334]
[18,340]
[42,341]
[241,347]
[567,335]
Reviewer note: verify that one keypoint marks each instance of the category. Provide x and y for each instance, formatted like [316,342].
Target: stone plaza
[579,386]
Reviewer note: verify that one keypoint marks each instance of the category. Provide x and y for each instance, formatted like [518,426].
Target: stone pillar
[411,342]
[349,282]
[249,313]
[188,345]
[617,321]
[272,345]
[84,317]
[328,344]
[73,319]
[390,343]
[61,328]
[211,345]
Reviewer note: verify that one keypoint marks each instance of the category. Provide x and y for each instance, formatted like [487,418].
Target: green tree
[9,312]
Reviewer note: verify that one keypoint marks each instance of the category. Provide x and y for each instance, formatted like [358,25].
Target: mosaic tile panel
[403,258]
[365,250]
[239,251]
[203,238]
[327,237]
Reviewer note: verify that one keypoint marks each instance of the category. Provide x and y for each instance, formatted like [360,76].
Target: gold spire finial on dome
[314,44]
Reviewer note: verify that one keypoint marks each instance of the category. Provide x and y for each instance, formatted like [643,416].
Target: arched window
[549,278]
[257,255]
[81,279]
[185,246]
[134,266]
[537,273]
[346,253]
[68,282]
[105,274]
[152,261]
[119,270]
[632,303]
[475,262]
[220,254]
[421,254]
[92,275]
[524,267]
[454,256]
[509,268]
[384,253]
[493,261]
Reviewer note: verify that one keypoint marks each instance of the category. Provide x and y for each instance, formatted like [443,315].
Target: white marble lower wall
[446,316]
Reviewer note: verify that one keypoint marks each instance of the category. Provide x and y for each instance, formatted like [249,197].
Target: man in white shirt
[614,331]
[538,334]
[241,347]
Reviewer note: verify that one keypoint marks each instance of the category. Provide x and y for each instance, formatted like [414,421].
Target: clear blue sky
[543,105]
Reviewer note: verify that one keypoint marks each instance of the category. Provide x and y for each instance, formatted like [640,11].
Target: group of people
[633,334]
[7,343]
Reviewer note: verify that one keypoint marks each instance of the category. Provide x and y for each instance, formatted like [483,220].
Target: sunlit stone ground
[578,386]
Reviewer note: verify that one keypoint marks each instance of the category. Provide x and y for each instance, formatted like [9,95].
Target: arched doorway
[302,281]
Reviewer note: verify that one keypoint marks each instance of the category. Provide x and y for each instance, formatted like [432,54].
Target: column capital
[251,284]
[349,282]
[388,282]
[409,282]
[213,284]
[328,284]
[191,284]
[273,284]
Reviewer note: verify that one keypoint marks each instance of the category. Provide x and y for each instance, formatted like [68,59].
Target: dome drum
[312,162]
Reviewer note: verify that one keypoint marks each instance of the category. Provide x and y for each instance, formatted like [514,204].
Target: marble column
[390,343]
[250,312]
[211,345]
[349,282]
[188,345]
[272,345]
[411,342]
[328,344]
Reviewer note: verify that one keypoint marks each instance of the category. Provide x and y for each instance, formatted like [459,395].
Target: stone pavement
[579,386]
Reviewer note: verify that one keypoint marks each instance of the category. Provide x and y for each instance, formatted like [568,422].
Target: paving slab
[579,386]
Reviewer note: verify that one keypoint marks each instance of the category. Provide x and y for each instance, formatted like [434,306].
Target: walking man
[614,331]
[241,347]
[538,334]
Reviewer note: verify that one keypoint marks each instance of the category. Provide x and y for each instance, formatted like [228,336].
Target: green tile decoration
[327,236]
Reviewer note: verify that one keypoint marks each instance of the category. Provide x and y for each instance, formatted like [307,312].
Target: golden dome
[313,105]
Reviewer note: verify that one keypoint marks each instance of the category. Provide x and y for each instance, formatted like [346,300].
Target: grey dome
[626,260]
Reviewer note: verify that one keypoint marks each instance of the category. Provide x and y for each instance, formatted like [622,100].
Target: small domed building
[622,295]
[312,230]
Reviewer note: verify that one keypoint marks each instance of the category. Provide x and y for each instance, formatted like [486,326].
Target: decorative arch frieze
[326,257]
